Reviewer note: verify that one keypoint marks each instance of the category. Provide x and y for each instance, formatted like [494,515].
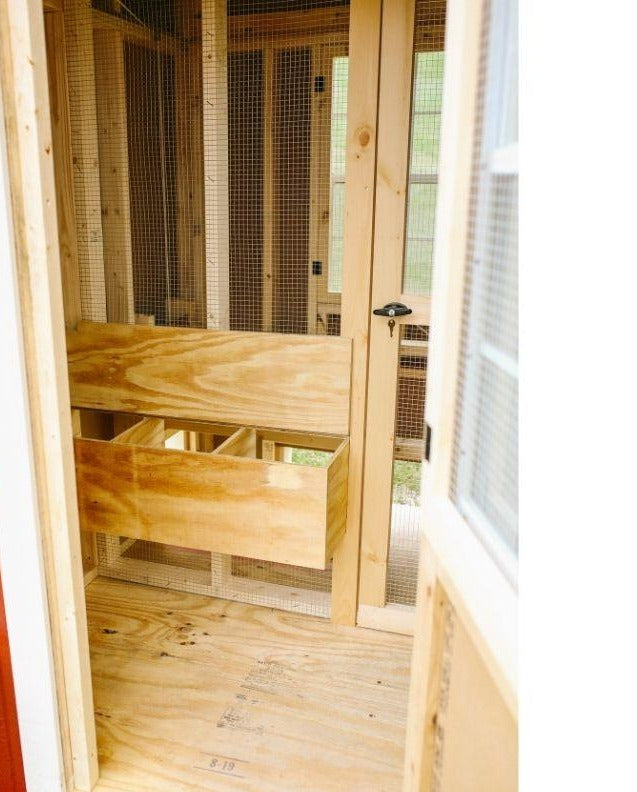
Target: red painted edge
[11,768]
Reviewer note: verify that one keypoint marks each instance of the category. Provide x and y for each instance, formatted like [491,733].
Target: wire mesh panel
[202,143]
[485,471]
[423,168]
[404,544]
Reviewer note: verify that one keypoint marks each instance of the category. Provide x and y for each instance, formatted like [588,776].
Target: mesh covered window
[423,172]
[485,484]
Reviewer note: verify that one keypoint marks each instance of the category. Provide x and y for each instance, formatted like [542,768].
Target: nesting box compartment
[229,500]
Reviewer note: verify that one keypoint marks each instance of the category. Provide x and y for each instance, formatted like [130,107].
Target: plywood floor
[193,693]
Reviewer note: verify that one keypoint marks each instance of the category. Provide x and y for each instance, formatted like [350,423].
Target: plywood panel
[252,379]
[478,752]
[181,680]
[233,505]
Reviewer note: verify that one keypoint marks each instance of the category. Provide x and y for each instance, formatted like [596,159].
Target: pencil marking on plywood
[240,717]
[222,765]
[272,677]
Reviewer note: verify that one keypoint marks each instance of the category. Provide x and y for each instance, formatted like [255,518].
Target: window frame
[498,156]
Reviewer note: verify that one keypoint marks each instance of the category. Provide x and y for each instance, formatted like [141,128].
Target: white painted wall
[20,545]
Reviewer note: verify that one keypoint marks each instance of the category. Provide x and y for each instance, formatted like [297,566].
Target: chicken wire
[202,140]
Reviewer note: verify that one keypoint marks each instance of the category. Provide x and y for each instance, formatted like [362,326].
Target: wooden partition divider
[278,381]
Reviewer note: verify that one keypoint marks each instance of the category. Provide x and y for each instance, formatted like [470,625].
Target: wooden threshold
[200,693]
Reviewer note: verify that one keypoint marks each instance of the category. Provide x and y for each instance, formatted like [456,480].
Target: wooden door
[462,727]
[410,97]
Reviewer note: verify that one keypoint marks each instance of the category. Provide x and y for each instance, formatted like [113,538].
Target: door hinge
[427,442]
[319,83]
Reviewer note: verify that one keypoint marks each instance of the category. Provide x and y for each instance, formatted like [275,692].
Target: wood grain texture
[312,22]
[131,31]
[337,480]
[392,163]
[110,94]
[242,443]
[236,505]
[189,159]
[31,183]
[360,176]
[246,379]
[480,750]
[63,164]
[86,162]
[147,432]
[214,57]
[181,680]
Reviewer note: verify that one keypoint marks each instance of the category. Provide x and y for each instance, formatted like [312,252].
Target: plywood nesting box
[237,494]
[230,500]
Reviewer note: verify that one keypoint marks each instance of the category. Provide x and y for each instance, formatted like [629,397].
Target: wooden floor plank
[194,693]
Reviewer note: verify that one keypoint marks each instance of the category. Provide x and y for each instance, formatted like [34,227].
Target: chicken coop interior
[240,185]
[208,175]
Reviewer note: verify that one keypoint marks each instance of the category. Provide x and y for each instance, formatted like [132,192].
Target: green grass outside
[406,484]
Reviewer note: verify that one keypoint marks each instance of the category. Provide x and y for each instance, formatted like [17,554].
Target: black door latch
[392,309]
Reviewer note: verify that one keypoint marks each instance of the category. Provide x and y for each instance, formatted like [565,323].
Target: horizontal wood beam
[271,380]
[288,23]
[134,32]
[53,5]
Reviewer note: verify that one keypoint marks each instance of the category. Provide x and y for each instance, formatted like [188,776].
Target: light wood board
[287,513]
[184,684]
[250,379]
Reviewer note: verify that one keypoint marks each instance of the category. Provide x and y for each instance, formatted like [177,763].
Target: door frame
[394,145]
[41,557]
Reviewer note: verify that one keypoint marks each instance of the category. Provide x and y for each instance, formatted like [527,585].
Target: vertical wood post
[214,41]
[394,122]
[37,262]
[360,184]
[114,181]
[78,30]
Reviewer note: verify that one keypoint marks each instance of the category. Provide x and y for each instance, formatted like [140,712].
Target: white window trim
[496,159]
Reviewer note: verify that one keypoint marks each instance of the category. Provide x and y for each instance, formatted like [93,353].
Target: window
[423,172]
[337,172]
[486,480]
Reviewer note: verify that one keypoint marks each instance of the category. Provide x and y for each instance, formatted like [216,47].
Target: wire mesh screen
[404,538]
[202,140]
[428,66]
[485,481]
